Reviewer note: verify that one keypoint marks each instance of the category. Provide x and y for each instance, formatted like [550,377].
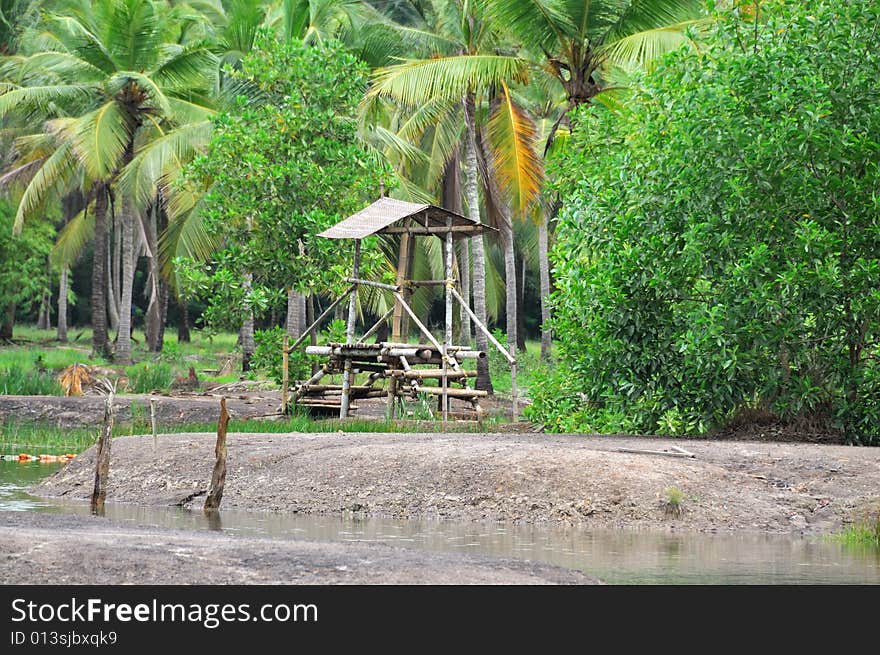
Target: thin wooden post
[218,478]
[102,464]
[153,424]
[349,334]
[285,374]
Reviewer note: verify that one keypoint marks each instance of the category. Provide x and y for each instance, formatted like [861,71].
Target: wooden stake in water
[102,464]
[218,478]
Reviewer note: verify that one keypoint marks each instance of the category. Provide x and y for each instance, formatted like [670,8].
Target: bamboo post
[349,333]
[285,374]
[447,336]
[218,478]
[153,424]
[102,464]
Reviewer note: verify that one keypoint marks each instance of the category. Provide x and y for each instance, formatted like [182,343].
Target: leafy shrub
[717,249]
[268,356]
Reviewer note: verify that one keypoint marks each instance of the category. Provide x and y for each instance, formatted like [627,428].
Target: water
[615,556]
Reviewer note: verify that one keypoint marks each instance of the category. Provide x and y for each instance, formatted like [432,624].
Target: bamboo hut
[403,368]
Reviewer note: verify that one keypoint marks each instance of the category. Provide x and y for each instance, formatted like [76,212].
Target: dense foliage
[719,245]
[280,168]
[24,274]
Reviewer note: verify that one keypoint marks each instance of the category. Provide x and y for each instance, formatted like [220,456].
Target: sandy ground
[70,549]
[567,479]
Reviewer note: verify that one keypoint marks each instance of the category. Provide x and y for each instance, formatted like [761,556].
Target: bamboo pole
[502,349]
[418,323]
[454,393]
[218,477]
[447,336]
[323,315]
[349,332]
[370,283]
[285,375]
[429,374]
[377,324]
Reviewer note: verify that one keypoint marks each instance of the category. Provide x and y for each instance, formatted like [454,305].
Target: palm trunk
[520,305]
[452,202]
[123,335]
[296,313]
[247,331]
[153,319]
[114,273]
[62,305]
[464,269]
[161,227]
[43,318]
[483,381]
[183,325]
[99,276]
[510,288]
[544,266]
[7,324]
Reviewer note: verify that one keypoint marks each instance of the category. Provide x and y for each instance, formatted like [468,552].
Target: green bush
[147,377]
[17,380]
[717,249]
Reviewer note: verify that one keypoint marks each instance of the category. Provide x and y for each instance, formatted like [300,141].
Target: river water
[615,556]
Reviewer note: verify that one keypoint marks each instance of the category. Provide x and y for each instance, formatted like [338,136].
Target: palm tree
[124,86]
[460,68]
[580,44]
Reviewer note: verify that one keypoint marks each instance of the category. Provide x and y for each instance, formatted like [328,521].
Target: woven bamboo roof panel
[385,212]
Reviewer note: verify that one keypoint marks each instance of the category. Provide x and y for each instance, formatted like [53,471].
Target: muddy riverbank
[534,478]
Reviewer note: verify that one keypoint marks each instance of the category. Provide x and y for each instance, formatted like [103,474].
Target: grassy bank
[863,534]
[36,439]
[31,365]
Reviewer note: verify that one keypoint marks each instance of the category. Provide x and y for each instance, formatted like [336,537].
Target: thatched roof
[388,216]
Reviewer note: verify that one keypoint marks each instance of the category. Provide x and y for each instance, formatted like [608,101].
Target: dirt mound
[573,479]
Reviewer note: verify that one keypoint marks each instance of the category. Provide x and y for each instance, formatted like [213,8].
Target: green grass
[38,350]
[862,535]
[147,377]
[21,381]
[36,439]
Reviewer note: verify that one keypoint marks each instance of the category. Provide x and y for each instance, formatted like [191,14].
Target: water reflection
[615,556]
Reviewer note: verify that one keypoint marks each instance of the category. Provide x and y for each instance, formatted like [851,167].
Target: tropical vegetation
[684,191]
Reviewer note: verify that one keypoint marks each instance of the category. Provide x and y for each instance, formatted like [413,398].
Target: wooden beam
[432,230]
